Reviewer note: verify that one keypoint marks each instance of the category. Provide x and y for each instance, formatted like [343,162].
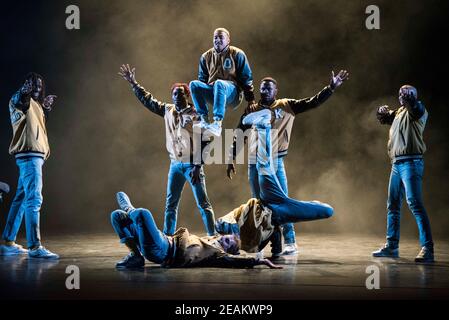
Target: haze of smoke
[111,143]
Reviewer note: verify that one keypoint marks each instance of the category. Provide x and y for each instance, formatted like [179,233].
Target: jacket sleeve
[417,111]
[303,105]
[386,118]
[230,261]
[149,101]
[20,101]
[245,76]
[203,73]
[234,149]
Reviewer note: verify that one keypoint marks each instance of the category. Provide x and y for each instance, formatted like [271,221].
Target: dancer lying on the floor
[138,231]
[257,221]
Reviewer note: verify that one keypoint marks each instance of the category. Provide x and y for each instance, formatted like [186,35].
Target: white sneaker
[290,249]
[124,202]
[215,128]
[13,250]
[260,118]
[200,124]
[259,255]
[42,253]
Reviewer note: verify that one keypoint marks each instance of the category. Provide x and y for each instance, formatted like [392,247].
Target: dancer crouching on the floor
[137,229]
[259,220]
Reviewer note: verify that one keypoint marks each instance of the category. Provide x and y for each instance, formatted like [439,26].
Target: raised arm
[303,105]
[21,99]
[145,97]
[232,261]
[414,107]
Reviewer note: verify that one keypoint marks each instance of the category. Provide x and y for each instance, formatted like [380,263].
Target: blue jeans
[178,174]
[27,201]
[284,209]
[139,226]
[288,229]
[221,94]
[406,177]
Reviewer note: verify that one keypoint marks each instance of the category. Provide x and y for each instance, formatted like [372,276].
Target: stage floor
[327,267]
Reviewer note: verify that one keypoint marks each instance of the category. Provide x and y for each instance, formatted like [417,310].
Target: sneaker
[42,253]
[131,261]
[214,128]
[425,255]
[290,249]
[259,255]
[201,124]
[386,252]
[260,118]
[124,202]
[13,250]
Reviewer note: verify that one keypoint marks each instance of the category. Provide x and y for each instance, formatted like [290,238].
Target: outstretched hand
[49,101]
[270,264]
[128,74]
[337,80]
[195,175]
[409,98]
[252,106]
[230,170]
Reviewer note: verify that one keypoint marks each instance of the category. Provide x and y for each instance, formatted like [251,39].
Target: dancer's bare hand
[337,80]
[195,175]
[49,101]
[230,170]
[128,74]
[270,264]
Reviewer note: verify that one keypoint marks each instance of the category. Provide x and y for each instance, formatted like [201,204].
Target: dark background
[102,140]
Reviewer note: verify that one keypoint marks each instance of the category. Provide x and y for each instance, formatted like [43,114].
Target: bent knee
[329,211]
[195,84]
[116,215]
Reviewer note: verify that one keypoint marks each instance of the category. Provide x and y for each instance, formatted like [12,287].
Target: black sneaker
[425,255]
[124,202]
[386,252]
[131,261]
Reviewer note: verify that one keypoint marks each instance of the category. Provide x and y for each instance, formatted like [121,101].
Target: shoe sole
[44,258]
[424,261]
[290,253]
[7,254]
[124,267]
[384,256]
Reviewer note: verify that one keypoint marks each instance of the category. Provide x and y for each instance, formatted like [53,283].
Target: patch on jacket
[227,64]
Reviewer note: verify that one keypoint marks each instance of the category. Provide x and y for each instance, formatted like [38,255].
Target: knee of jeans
[35,199]
[116,216]
[415,203]
[329,211]
[194,85]
[219,84]
[205,205]
[392,206]
[137,215]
